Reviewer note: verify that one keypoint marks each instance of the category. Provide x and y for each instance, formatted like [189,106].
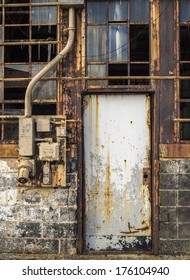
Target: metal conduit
[51,64]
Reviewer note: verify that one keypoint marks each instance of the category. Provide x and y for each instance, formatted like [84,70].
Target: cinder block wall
[37,220]
[174,206]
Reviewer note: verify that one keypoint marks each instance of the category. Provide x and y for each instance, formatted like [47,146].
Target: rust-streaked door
[117,172]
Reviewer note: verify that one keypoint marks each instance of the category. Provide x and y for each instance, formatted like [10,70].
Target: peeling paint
[117,201]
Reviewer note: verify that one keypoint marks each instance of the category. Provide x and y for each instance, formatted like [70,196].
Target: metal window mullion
[59,67]
[177,133]
[107,40]
[128,43]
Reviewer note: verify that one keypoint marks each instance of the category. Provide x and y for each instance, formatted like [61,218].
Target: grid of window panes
[28,41]
[184,31]
[118,41]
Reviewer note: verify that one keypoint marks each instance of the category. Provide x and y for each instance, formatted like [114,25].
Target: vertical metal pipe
[51,64]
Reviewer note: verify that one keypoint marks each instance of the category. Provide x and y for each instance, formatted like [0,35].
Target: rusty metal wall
[167,67]
[117,172]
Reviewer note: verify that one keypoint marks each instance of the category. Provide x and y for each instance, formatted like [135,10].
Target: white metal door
[117,172]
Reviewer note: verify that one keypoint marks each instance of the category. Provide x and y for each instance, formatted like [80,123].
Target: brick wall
[37,221]
[174,206]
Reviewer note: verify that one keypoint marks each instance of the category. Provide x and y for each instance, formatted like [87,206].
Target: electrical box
[43,141]
[49,151]
[26,137]
[71,3]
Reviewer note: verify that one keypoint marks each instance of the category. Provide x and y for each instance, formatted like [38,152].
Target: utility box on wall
[42,150]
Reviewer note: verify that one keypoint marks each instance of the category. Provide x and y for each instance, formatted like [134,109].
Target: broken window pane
[0,54]
[96,11]
[139,43]
[184,10]
[44,15]
[14,109]
[16,1]
[44,32]
[96,43]
[185,89]
[16,71]
[1,97]
[22,52]
[46,90]
[44,109]
[139,70]
[0,15]
[17,15]
[118,10]
[184,131]
[185,69]
[97,70]
[118,70]
[184,43]
[15,33]
[118,47]
[16,90]
[43,1]
[43,53]
[139,10]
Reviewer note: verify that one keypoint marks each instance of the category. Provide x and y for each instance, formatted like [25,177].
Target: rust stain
[135,230]
[107,193]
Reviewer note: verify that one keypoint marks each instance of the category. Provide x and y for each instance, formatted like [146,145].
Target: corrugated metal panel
[117,152]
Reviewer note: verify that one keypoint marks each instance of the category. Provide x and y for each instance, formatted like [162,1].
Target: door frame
[154,172]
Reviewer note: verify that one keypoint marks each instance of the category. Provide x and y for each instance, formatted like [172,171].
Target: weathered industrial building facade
[101,163]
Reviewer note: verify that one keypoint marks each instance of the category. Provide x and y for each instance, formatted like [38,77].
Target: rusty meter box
[43,141]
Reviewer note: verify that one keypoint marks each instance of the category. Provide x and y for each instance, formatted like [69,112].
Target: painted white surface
[116,149]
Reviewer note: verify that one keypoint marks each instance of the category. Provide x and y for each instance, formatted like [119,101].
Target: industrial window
[118,41]
[184,69]
[29,38]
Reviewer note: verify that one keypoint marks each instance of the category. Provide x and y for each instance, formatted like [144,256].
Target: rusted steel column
[155,84]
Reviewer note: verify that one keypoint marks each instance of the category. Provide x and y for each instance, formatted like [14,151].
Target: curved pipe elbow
[51,64]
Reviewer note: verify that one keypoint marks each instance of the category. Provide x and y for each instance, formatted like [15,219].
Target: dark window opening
[184,43]
[139,43]
[118,70]
[0,15]
[139,70]
[185,131]
[17,15]
[16,1]
[185,88]
[21,51]
[44,32]
[16,93]
[45,109]
[43,53]
[15,33]
[185,110]
[184,84]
